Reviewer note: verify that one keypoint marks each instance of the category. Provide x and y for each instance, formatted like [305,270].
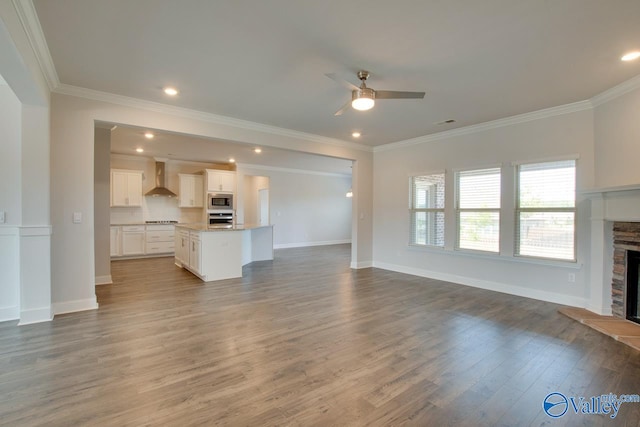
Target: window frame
[413,210]
[459,210]
[519,210]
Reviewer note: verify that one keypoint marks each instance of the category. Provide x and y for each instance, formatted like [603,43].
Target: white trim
[157,107]
[9,230]
[494,124]
[599,191]
[616,91]
[104,280]
[31,24]
[488,285]
[36,315]
[361,264]
[306,244]
[291,170]
[575,157]
[73,306]
[9,313]
[36,230]
[602,311]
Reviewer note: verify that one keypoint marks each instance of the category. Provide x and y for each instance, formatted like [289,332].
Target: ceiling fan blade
[344,108]
[392,94]
[342,82]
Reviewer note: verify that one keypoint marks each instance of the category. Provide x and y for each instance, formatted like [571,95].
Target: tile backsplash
[156,209]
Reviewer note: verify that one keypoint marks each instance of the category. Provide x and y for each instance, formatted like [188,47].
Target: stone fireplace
[626,263]
[615,233]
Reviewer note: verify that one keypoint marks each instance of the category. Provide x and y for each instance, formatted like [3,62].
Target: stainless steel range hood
[160,189]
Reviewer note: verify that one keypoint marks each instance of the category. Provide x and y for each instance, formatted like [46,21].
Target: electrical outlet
[77,217]
[572,278]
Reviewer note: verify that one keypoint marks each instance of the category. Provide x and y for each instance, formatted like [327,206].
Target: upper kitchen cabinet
[191,191]
[126,188]
[221,181]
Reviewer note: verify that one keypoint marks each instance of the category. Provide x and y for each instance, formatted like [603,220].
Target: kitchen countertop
[143,223]
[207,227]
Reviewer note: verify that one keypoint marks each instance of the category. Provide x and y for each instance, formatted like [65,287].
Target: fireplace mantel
[607,206]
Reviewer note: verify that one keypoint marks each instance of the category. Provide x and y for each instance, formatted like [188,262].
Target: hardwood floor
[304,340]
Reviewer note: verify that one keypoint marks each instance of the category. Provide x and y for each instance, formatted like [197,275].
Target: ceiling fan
[363,97]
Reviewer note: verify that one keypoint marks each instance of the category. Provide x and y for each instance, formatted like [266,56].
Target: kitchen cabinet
[182,247]
[114,241]
[126,188]
[133,239]
[195,252]
[191,191]
[159,239]
[221,181]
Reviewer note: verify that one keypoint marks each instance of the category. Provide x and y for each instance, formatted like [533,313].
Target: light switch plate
[77,217]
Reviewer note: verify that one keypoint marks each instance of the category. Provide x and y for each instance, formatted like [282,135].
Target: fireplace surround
[626,264]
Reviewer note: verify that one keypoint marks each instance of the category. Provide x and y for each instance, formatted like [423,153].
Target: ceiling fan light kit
[363,98]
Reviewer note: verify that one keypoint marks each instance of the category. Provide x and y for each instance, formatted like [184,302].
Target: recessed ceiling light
[257,150]
[232,160]
[139,150]
[356,134]
[149,135]
[631,56]
[171,91]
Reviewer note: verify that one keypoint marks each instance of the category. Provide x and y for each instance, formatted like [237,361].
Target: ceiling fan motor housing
[363,92]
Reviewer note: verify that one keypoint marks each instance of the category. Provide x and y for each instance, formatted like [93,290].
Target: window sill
[497,257]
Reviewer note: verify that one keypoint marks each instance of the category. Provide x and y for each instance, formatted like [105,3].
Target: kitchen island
[217,253]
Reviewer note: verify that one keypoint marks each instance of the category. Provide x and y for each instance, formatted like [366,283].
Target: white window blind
[546,210]
[427,210]
[478,209]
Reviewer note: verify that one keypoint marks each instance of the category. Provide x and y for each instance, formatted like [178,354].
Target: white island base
[219,253]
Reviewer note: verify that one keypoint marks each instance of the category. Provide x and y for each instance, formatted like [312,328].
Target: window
[427,210]
[546,210]
[478,209]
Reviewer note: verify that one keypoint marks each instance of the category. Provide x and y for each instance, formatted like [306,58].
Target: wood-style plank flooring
[305,341]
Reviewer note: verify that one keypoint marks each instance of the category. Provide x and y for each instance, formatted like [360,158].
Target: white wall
[617,140]
[10,202]
[101,200]
[542,139]
[306,208]
[253,184]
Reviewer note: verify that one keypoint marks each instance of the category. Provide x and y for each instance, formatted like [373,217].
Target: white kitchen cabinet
[114,241]
[159,239]
[221,181]
[133,239]
[126,188]
[182,247]
[191,191]
[195,252]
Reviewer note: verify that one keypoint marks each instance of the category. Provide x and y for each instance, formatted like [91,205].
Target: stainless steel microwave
[217,201]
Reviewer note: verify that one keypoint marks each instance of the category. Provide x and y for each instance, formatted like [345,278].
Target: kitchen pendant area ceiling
[265,62]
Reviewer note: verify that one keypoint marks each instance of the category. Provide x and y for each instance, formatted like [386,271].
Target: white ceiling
[264,61]
[125,140]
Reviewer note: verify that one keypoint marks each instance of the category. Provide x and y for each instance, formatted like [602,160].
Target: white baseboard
[36,315]
[305,244]
[488,285]
[602,311]
[104,280]
[361,264]
[73,306]
[9,313]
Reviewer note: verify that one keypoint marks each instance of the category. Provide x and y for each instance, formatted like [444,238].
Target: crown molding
[616,91]
[291,170]
[26,12]
[157,107]
[494,124]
